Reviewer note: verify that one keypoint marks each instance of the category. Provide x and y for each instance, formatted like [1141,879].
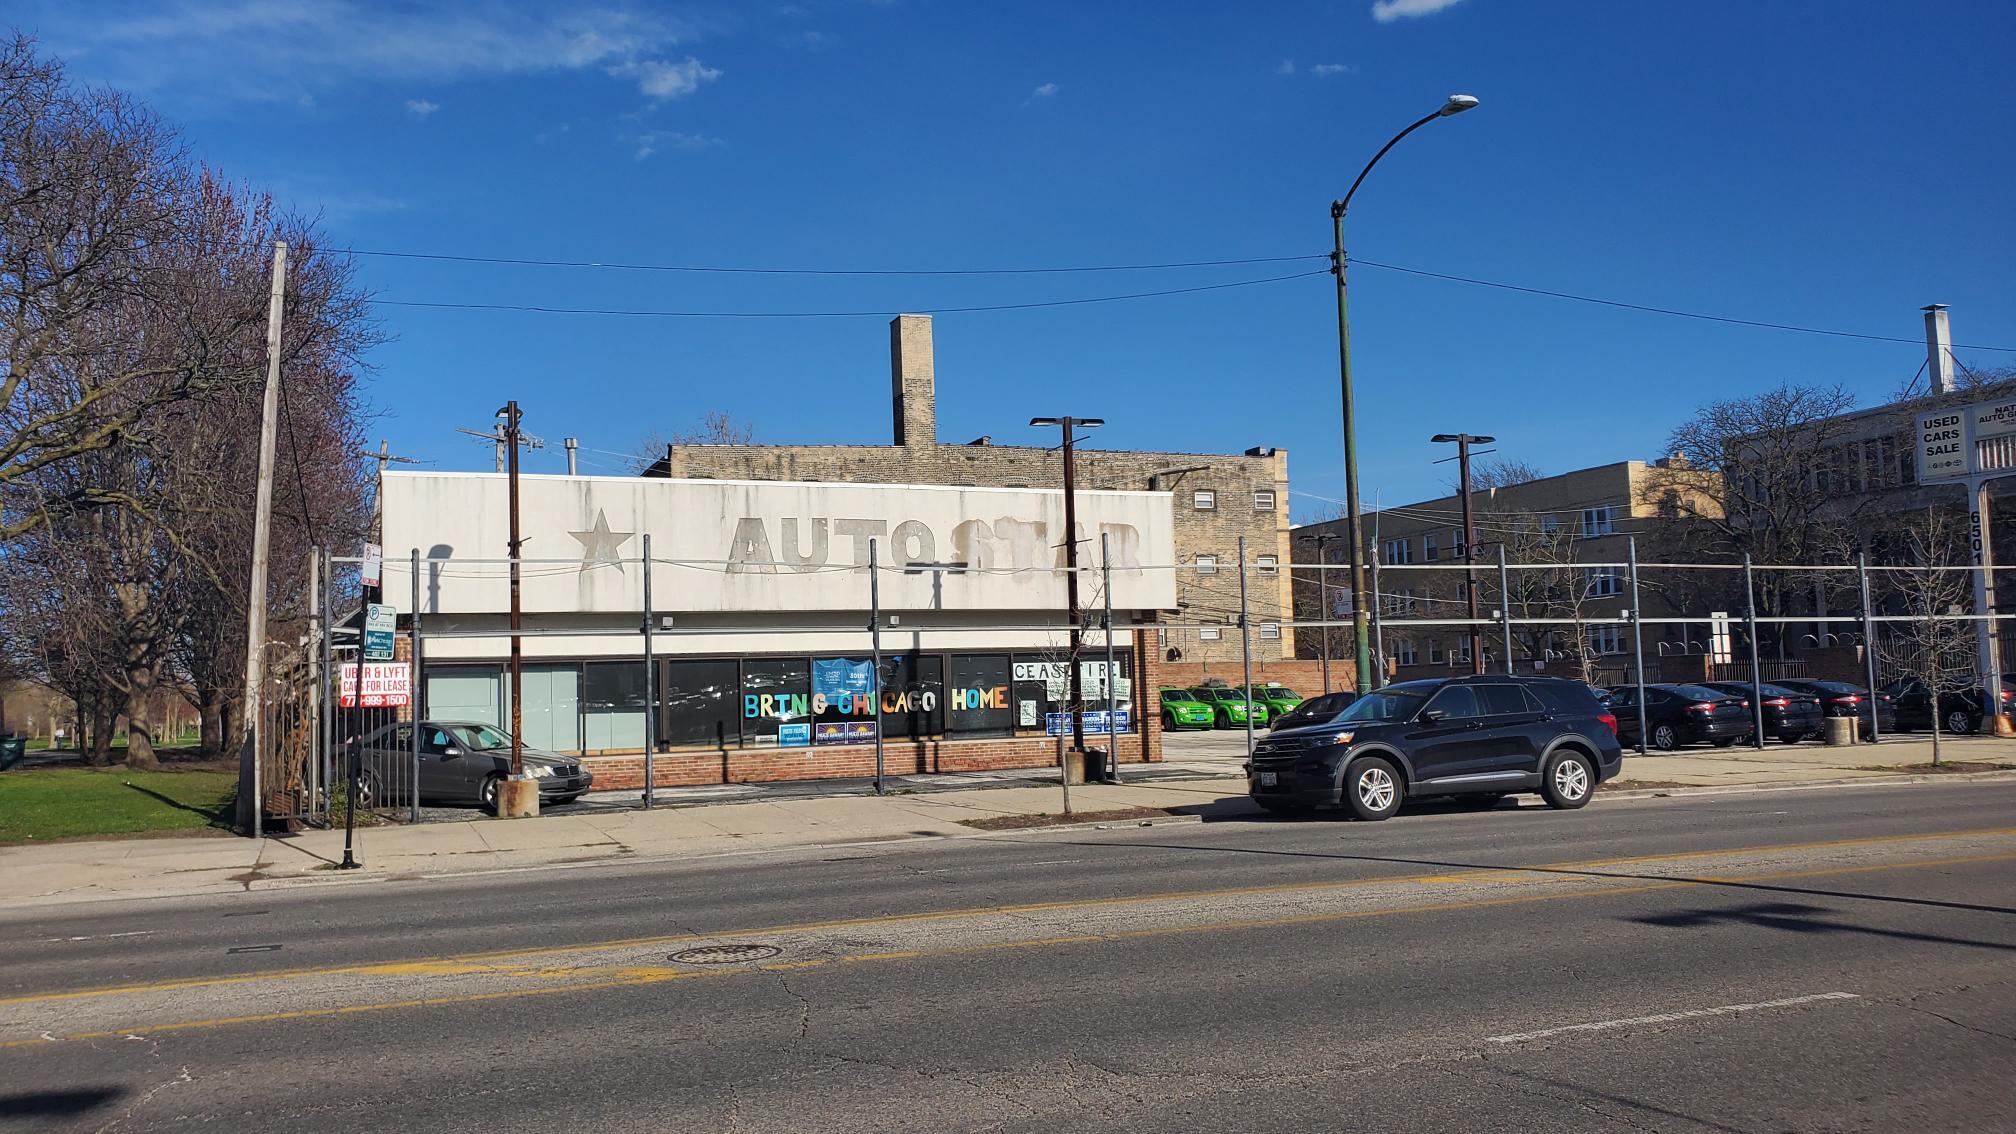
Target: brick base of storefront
[900,758]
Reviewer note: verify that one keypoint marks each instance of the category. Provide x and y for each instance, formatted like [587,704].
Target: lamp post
[1463,442]
[1456,104]
[1077,689]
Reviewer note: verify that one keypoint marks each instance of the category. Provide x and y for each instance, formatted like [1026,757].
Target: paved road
[1798,960]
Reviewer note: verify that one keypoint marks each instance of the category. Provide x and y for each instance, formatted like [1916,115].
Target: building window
[1456,545]
[1599,521]
[1435,655]
[1400,602]
[776,693]
[1606,639]
[699,705]
[612,705]
[1429,552]
[1403,652]
[980,701]
[1669,504]
[1263,500]
[1270,630]
[1549,523]
[1399,551]
[1204,500]
[1268,564]
[1207,565]
[1208,633]
[1600,582]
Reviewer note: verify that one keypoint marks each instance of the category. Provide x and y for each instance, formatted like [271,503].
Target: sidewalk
[1202,777]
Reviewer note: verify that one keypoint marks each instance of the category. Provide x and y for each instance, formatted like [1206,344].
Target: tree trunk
[140,719]
[210,707]
[101,738]
[1934,693]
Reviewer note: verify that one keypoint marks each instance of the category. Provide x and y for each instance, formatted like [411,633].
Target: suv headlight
[1343,738]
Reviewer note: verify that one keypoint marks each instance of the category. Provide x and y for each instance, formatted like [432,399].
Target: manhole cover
[725,954]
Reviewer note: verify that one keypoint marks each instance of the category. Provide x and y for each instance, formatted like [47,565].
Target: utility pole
[494,436]
[1077,686]
[516,796]
[251,793]
[1463,443]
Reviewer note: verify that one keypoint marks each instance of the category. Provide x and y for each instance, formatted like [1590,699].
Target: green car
[1230,706]
[1182,709]
[1277,697]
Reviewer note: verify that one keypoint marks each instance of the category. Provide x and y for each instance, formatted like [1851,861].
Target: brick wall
[1304,677]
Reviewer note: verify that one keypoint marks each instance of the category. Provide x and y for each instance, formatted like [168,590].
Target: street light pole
[1360,608]
[1463,443]
[1076,706]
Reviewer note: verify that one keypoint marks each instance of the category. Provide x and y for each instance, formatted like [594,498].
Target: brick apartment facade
[1217,499]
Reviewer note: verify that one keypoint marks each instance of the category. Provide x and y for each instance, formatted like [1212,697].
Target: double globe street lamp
[1360,601]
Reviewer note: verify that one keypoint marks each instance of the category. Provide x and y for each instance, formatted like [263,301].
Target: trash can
[12,748]
[1098,770]
[1840,730]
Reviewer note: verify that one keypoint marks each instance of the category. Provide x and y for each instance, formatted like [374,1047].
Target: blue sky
[1827,164]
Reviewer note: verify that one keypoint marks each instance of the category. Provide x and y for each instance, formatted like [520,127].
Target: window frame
[1206,564]
[1273,503]
[1204,499]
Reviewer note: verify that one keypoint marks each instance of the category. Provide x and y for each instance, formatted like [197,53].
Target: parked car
[1182,709]
[1230,707]
[464,761]
[1278,698]
[1681,714]
[1841,699]
[1320,709]
[1959,708]
[1479,738]
[1789,715]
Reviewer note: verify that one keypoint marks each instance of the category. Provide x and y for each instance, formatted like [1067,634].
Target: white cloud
[421,106]
[1327,69]
[1287,67]
[1045,91]
[1386,11]
[278,49]
[655,141]
[659,79]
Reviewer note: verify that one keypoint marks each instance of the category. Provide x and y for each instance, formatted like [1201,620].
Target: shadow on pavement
[60,1103]
[1794,918]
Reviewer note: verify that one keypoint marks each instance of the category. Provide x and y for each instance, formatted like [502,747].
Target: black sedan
[1681,714]
[1959,708]
[463,762]
[1840,699]
[1789,715]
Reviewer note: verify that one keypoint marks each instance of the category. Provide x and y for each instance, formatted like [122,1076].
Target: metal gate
[367,743]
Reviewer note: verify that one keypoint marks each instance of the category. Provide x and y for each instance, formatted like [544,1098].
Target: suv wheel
[1569,782]
[1664,738]
[1959,722]
[1372,789]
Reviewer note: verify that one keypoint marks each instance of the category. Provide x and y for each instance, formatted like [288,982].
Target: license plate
[1269,779]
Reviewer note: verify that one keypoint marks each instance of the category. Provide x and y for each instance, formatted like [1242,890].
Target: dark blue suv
[1478,738]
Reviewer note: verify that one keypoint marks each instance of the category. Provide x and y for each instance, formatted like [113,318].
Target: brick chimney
[912,380]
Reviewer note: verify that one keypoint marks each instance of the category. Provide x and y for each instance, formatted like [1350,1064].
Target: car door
[442,765]
[1454,740]
[1518,729]
[1624,706]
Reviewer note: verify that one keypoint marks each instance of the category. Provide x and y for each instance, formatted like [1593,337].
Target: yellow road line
[648,976]
[426,964]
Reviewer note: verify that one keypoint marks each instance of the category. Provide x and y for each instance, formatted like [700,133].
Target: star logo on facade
[599,545]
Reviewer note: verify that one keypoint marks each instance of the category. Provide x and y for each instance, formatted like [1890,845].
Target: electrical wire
[719,270]
[542,309]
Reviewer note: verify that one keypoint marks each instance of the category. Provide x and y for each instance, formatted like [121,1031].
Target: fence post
[1869,644]
[1637,640]
[1505,605]
[1112,674]
[414,680]
[330,699]
[1378,624]
[1246,648]
[650,679]
[318,668]
[875,645]
[1756,670]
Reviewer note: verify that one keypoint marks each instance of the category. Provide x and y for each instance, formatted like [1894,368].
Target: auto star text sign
[1964,441]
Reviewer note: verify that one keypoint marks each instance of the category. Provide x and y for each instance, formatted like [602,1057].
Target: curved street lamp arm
[1337,209]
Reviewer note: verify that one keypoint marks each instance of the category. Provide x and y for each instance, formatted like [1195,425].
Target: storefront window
[1042,687]
[612,705]
[980,701]
[776,702]
[701,702]
[912,691]
[913,695]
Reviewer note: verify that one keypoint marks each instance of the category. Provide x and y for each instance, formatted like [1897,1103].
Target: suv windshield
[1385,705]
[483,738]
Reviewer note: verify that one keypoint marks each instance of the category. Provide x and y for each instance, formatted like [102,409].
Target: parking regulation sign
[381,625]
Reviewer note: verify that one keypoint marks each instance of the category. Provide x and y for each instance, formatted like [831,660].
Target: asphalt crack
[143,1100]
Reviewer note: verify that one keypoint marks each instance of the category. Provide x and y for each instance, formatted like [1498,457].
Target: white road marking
[102,936]
[1671,1017]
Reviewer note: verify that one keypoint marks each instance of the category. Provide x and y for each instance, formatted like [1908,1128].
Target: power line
[716,269]
[545,310]
[1657,310]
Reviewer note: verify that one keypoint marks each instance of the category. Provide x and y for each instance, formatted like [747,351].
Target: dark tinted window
[700,702]
[979,701]
[1567,697]
[1503,700]
[1698,693]
[1457,701]
[775,692]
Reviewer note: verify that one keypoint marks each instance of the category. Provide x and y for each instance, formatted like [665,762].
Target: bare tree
[716,427]
[1504,472]
[1935,644]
